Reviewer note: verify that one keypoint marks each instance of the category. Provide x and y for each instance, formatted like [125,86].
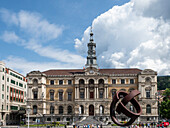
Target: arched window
[148,108]
[60,109]
[101,109]
[35,109]
[113,92]
[35,82]
[51,109]
[101,81]
[69,109]
[91,81]
[81,81]
[81,109]
[51,94]
[35,94]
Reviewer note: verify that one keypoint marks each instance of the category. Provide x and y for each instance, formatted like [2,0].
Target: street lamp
[28,112]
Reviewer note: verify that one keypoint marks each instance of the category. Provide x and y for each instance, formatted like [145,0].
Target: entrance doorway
[91,110]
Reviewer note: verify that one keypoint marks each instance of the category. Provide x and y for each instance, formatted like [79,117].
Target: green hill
[163,82]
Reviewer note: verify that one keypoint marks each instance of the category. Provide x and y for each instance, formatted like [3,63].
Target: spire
[91,58]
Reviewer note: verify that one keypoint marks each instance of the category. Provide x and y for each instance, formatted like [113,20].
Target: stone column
[87,92]
[78,93]
[97,92]
[105,92]
[94,92]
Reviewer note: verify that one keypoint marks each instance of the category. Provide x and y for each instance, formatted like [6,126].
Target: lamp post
[28,112]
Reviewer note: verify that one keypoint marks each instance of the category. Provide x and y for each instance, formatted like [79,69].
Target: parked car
[165,124]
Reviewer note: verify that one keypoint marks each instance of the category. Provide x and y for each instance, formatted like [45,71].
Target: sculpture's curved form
[121,107]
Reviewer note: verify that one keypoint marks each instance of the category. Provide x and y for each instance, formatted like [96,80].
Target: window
[48,119]
[60,109]
[3,69]
[114,81]
[13,81]
[35,82]
[60,96]
[131,81]
[3,87]
[113,92]
[91,81]
[14,108]
[58,119]
[2,96]
[35,93]
[21,85]
[147,94]
[69,110]
[69,82]
[52,95]
[148,108]
[7,79]
[81,109]
[2,107]
[17,83]
[34,109]
[51,109]
[7,88]
[100,94]
[91,61]
[52,82]
[2,77]
[82,94]
[25,86]
[7,97]
[101,81]
[7,107]
[60,82]
[122,81]
[16,91]
[69,96]
[101,109]
[81,81]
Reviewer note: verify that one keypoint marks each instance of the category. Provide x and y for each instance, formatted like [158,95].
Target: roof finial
[91,34]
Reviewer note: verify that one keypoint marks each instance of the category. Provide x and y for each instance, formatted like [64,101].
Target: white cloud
[132,35]
[34,32]
[23,66]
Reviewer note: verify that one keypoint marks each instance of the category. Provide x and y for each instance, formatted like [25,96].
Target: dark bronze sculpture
[121,107]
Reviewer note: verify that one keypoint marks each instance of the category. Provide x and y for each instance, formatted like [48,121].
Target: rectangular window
[51,82]
[82,95]
[35,94]
[69,96]
[21,85]
[7,88]
[3,69]
[131,81]
[3,87]
[147,94]
[114,81]
[17,83]
[16,91]
[60,96]
[2,96]
[122,81]
[7,79]
[25,86]
[101,94]
[16,99]
[2,107]
[7,107]
[69,82]
[14,108]
[13,81]
[2,77]
[60,82]
[7,97]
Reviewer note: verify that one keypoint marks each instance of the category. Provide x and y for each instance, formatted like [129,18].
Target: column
[94,92]
[105,92]
[78,93]
[97,92]
[85,91]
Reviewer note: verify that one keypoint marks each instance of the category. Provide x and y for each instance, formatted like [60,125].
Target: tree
[165,105]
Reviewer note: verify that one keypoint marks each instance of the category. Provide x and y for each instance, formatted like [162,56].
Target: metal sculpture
[121,107]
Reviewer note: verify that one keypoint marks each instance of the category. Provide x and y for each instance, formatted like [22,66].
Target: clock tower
[91,58]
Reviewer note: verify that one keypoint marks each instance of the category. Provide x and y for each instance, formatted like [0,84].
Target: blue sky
[43,34]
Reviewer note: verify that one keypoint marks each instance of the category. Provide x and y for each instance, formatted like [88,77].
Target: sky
[53,34]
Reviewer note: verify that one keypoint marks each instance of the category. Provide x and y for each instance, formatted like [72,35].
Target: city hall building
[73,95]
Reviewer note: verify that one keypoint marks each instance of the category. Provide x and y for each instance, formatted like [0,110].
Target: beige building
[74,95]
[13,89]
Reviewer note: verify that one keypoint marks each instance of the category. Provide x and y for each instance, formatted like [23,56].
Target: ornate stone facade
[72,95]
